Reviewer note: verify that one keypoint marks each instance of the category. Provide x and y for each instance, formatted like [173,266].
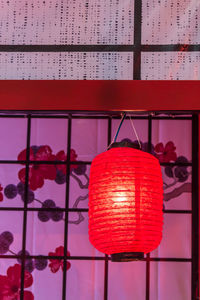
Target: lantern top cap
[125,151]
[125,143]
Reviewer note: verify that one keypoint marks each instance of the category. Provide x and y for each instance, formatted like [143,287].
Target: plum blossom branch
[80,216]
[173,183]
[79,220]
[80,198]
[81,185]
[184,188]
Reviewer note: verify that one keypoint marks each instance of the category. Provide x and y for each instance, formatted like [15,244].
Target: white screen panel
[66,22]
[70,65]
[126,280]
[170,66]
[170,280]
[170,22]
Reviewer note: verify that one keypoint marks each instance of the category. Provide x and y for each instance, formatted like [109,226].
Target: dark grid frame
[109,116]
[136,48]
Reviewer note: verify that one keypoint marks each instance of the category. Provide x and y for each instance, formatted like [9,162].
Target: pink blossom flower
[167,153]
[38,172]
[56,264]
[11,283]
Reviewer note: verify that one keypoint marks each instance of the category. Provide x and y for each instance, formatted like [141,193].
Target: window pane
[170,280]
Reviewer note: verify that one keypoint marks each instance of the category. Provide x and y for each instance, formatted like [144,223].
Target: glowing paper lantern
[125,203]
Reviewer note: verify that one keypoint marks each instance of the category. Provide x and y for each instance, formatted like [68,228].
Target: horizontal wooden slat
[99,95]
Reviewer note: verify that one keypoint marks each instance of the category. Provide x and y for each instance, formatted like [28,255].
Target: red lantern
[125,203]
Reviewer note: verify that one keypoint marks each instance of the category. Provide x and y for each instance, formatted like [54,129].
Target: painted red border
[99,95]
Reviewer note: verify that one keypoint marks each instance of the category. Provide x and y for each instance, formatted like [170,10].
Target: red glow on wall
[125,201]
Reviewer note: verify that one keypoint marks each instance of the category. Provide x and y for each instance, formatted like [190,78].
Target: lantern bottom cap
[126,256]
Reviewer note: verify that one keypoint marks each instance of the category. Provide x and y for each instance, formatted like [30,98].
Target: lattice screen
[35,234]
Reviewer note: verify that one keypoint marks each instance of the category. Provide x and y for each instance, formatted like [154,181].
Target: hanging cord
[120,125]
[116,135]
[135,131]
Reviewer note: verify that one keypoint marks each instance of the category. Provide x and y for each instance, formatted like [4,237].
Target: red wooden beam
[102,95]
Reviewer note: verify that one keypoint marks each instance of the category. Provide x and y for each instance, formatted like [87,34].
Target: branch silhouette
[184,188]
